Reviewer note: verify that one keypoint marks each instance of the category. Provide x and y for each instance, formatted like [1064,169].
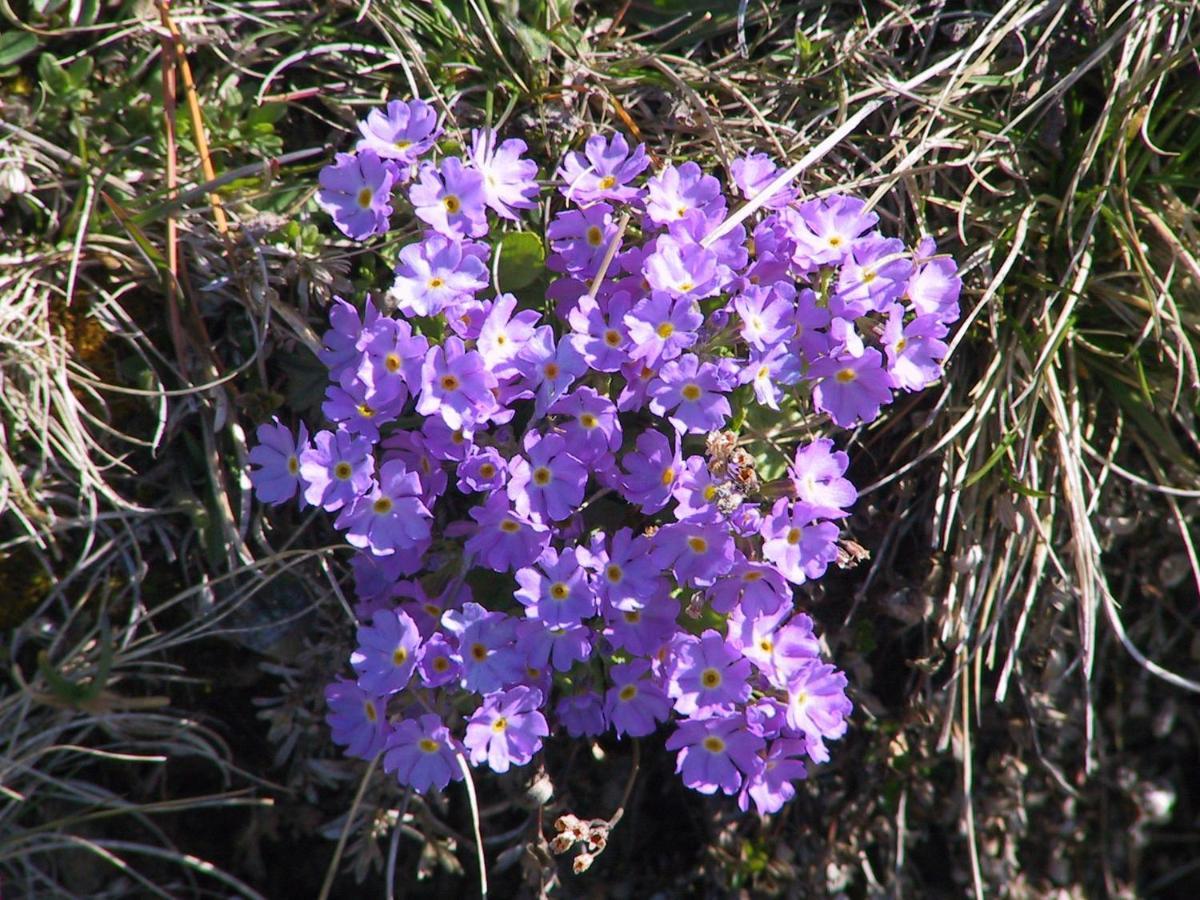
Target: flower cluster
[558,523]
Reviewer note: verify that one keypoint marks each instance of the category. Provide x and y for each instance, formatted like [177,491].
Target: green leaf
[522,259]
[53,76]
[15,46]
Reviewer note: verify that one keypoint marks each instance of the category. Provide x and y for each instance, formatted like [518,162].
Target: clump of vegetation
[1020,645]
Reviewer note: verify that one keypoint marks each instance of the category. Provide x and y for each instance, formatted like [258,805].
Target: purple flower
[450,200]
[753,172]
[438,272]
[816,474]
[914,351]
[695,491]
[438,665]
[560,646]
[691,393]
[756,588]
[697,552]
[625,576]
[356,190]
[767,317]
[643,630]
[357,719]
[277,456]
[337,469]
[390,364]
[770,787]
[777,646]
[505,540]
[547,482]
[675,192]
[603,171]
[600,333]
[826,230]
[580,238]
[818,706]
[504,335]
[706,672]
[769,372]
[681,270]
[934,287]
[484,471]
[800,547]
[411,448]
[582,714]
[661,328]
[390,518]
[509,182]
[593,432]
[351,411]
[507,729]
[485,647]
[713,750]
[872,276]
[404,131]
[651,471]
[852,388]
[421,753]
[557,592]
[343,343]
[551,368]
[387,653]
[457,385]
[635,704]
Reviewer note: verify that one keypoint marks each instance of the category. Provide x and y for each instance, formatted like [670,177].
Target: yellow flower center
[697,544]
[612,338]
[632,616]
[587,420]
[441,664]
[710,492]
[710,678]
[449,383]
[427,745]
[613,573]
[665,330]
[452,203]
[714,744]
[595,235]
[487,470]
[628,692]
[668,476]
[541,476]
[364,197]
[509,526]
[691,392]
[382,506]
[607,182]
[793,536]
[559,591]
[369,712]
[500,724]
[402,144]
[399,656]
[365,411]
[478,652]
[435,283]
[685,286]
[391,362]
[551,370]
[846,376]
[342,471]
[293,465]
